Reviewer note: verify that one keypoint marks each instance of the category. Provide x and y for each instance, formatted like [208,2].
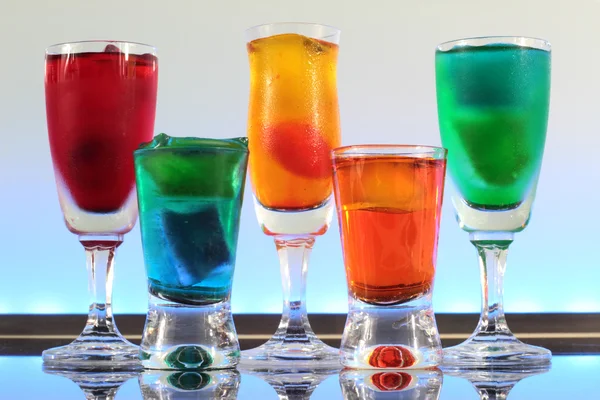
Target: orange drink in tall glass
[293,120]
[293,124]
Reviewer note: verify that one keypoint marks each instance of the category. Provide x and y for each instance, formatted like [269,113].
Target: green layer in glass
[493,112]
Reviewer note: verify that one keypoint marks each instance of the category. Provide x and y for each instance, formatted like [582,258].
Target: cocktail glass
[293,124]
[190,193]
[391,384]
[389,199]
[100,105]
[189,385]
[493,95]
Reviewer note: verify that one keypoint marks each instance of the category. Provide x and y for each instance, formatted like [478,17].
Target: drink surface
[100,107]
[293,120]
[493,111]
[389,209]
[190,202]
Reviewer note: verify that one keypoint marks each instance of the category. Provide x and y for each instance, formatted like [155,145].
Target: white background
[387,95]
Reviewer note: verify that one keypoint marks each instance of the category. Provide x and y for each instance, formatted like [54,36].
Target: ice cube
[111,48]
[314,45]
[196,243]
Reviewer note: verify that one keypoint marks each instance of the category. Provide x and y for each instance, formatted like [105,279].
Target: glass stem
[293,259]
[100,255]
[493,249]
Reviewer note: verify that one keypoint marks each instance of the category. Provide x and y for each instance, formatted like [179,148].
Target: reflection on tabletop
[497,383]
[96,385]
[391,384]
[571,377]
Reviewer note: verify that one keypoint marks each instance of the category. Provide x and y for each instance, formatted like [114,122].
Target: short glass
[100,106]
[389,199]
[391,385]
[190,193]
[493,96]
[189,385]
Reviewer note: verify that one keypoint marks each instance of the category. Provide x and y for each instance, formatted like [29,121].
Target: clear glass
[100,105]
[188,385]
[293,123]
[389,200]
[493,98]
[391,385]
[190,193]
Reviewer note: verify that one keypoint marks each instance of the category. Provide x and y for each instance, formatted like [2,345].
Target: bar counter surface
[22,377]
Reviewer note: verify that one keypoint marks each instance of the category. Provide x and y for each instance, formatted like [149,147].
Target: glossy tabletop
[570,377]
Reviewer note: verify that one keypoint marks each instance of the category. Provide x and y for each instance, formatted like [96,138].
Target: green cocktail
[190,193]
[493,95]
[493,111]
[190,196]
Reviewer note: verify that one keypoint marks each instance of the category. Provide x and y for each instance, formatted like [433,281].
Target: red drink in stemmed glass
[100,106]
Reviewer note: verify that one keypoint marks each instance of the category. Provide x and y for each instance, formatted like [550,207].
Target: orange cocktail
[389,209]
[293,120]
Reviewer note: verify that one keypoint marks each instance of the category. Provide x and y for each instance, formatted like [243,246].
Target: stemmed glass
[293,123]
[493,97]
[100,105]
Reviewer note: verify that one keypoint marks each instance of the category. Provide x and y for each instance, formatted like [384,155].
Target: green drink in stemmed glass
[493,98]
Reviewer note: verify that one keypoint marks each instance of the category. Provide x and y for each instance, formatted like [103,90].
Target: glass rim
[523,41]
[251,33]
[396,150]
[196,147]
[95,41]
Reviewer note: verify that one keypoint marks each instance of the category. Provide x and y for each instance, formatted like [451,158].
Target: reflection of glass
[389,202]
[493,95]
[496,384]
[294,384]
[293,123]
[190,193]
[222,384]
[100,105]
[96,385]
[388,385]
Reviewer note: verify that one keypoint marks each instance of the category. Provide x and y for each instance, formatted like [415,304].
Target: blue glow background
[387,95]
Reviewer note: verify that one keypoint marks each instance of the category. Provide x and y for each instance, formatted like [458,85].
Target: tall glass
[493,96]
[190,193]
[389,201]
[100,105]
[293,123]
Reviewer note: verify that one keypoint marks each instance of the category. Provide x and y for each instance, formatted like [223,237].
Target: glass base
[284,354]
[110,352]
[391,336]
[498,351]
[183,337]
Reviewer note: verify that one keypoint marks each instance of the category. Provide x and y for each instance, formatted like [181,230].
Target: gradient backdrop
[387,95]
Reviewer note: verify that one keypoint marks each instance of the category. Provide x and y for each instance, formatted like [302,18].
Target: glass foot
[500,351]
[94,353]
[285,355]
